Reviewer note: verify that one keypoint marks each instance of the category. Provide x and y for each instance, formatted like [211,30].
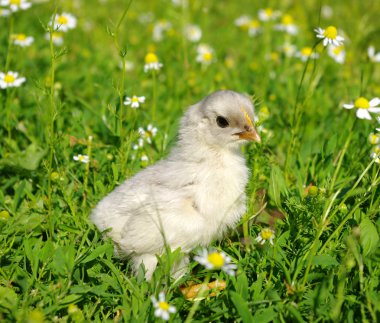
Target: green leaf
[295,313]
[331,145]
[115,172]
[64,260]
[265,315]
[369,237]
[8,298]
[277,185]
[97,252]
[70,299]
[258,295]
[28,159]
[242,285]
[32,250]
[325,261]
[242,307]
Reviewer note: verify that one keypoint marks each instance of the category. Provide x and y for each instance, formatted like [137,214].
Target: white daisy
[82,158]
[205,54]
[10,79]
[145,17]
[22,40]
[306,53]
[287,25]
[289,49]
[327,11]
[148,133]
[179,3]
[254,27]
[162,308]
[364,107]
[374,138]
[140,144]
[243,22]
[337,53]
[129,66]
[329,35]
[144,158]
[64,22]
[268,14]
[16,5]
[135,101]
[375,154]
[152,63]
[372,55]
[193,33]
[265,235]
[57,37]
[216,260]
[4,12]
[160,28]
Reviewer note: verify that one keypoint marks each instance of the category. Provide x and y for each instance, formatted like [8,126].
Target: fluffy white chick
[194,195]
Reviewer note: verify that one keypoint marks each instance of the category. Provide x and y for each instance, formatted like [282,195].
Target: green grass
[325,261]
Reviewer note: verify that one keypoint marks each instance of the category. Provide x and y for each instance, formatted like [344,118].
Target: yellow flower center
[56,35]
[15,2]
[266,234]
[374,138]
[9,78]
[306,51]
[337,50]
[81,158]
[62,20]
[19,37]
[254,24]
[148,134]
[207,56]
[151,58]
[361,103]
[268,11]
[135,99]
[216,259]
[164,306]
[287,20]
[274,56]
[331,32]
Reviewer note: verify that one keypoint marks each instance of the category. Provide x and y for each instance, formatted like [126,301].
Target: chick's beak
[250,134]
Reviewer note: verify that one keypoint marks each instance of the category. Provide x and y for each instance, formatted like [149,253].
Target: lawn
[99,91]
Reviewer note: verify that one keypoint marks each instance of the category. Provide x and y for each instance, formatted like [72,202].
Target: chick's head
[224,118]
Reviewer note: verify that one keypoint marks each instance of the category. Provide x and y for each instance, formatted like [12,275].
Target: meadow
[99,90]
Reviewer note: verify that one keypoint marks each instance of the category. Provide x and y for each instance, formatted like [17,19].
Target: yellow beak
[250,135]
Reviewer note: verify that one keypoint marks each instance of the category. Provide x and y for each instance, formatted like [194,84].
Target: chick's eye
[222,122]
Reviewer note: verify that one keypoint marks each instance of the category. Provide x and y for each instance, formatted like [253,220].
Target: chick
[194,195]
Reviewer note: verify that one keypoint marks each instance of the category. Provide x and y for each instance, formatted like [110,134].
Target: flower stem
[10,44]
[8,112]
[122,54]
[87,171]
[50,128]
[154,95]
[343,152]
[6,68]
[297,113]
[202,291]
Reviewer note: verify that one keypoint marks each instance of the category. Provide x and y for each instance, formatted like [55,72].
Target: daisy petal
[374,102]
[363,114]
[348,106]
[374,110]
